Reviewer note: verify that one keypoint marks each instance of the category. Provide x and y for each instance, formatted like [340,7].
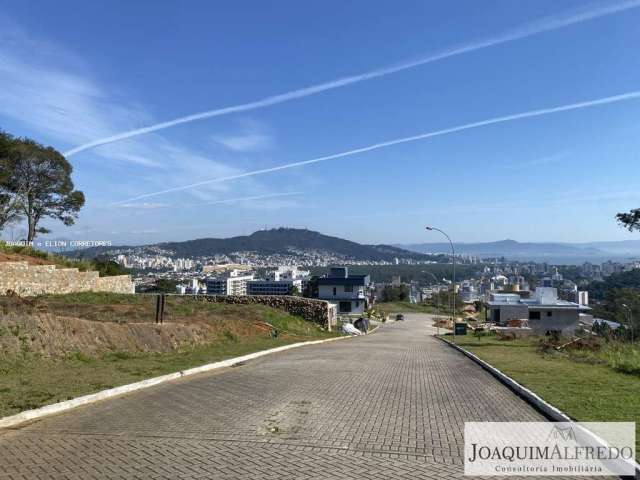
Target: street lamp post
[629,320]
[453,258]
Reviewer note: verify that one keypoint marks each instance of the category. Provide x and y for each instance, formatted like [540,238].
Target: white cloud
[266,202]
[546,160]
[145,205]
[50,91]
[250,142]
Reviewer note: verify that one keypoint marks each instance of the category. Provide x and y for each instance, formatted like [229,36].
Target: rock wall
[28,280]
[310,309]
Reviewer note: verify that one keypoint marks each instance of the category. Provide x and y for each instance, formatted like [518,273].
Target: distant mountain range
[285,241]
[553,252]
[288,241]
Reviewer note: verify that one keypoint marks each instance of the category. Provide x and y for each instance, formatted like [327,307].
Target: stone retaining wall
[28,280]
[310,309]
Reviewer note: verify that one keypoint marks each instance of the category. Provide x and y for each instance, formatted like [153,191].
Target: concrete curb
[548,410]
[373,330]
[545,408]
[60,407]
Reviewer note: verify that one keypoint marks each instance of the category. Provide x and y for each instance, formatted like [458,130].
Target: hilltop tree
[630,220]
[40,179]
[293,290]
[395,294]
[9,205]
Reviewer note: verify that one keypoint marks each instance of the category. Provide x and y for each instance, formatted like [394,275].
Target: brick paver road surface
[388,405]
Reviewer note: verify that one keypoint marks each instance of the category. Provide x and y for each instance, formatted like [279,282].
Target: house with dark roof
[346,291]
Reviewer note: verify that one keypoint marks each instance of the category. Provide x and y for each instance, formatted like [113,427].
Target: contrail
[216,202]
[422,136]
[540,26]
[244,199]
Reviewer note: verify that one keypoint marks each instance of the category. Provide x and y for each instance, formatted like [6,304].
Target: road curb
[60,407]
[373,330]
[545,408]
[548,410]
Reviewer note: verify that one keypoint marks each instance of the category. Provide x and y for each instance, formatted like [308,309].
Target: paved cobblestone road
[388,405]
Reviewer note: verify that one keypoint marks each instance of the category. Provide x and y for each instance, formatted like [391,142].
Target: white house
[545,312]
[344,290]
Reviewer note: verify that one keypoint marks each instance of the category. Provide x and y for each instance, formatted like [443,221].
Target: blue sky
[73,72]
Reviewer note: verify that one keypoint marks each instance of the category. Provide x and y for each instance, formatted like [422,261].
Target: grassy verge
[585,388]
[129,308]
[31,376]
[388,308]
[34,382]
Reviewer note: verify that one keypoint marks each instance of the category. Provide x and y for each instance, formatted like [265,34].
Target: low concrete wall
[28,280]
[310,309]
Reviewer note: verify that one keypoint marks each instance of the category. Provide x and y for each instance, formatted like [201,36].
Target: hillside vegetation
[38,257]
[280,241]
[57,347]
[420,273]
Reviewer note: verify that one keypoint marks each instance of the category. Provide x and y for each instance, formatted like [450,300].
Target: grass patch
[621,357]
[587,386]
[93,298]
[389,308]
[28,380]
[21,253]
[34,382]
[136,308]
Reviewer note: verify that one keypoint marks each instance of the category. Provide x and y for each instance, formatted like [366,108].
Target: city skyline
[491,121]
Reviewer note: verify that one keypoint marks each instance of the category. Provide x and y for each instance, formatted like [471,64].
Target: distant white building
[499,281]
[233,282]
[280,282]
[288,273]
[468,292]
[583,297]
[192,288]
[344,290]
[545,312]
[122,260]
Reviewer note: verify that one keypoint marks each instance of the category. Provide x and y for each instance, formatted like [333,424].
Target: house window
[334,291]
[345,307]
[348,288]
[549,313]
[534,315]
